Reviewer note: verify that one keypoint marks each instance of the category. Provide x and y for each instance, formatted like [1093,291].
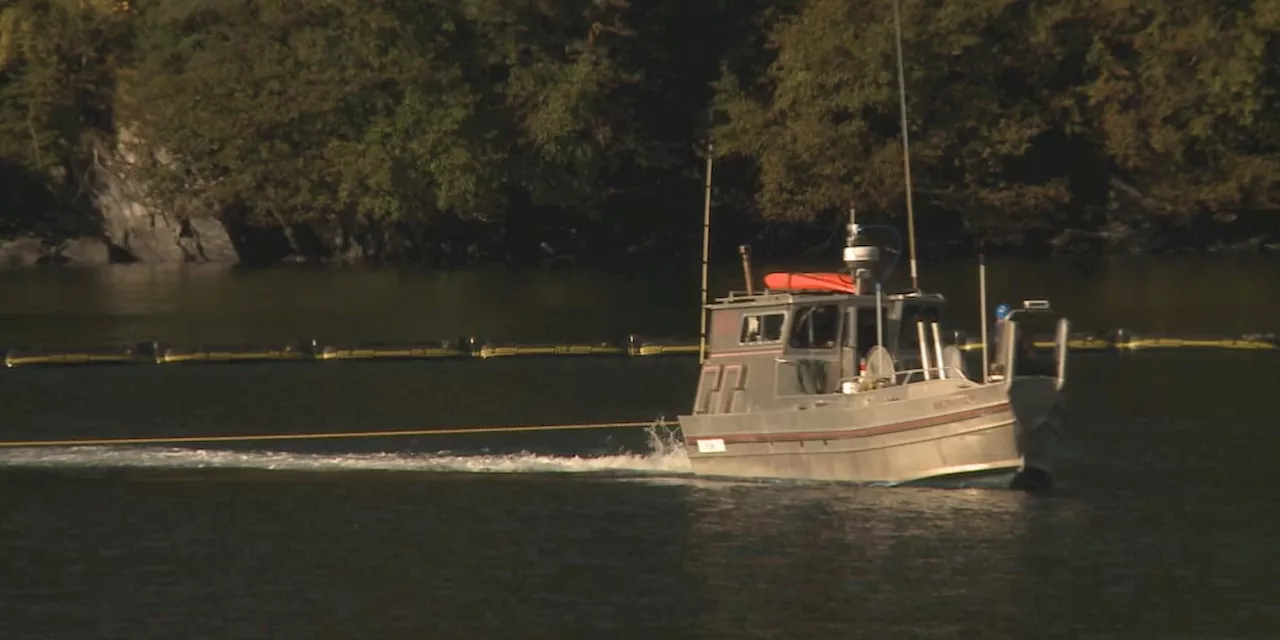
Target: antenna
[906,148]
[982,310]
[706,239]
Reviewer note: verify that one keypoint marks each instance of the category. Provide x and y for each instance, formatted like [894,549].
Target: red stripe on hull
[753,352]
[918,423]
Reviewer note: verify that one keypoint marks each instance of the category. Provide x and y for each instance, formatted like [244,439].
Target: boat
[819,382]
[825,376]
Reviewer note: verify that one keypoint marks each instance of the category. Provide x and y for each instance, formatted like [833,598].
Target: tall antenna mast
[706,239]
[906,149]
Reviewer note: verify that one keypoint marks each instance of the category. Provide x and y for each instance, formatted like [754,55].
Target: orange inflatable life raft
[825,282]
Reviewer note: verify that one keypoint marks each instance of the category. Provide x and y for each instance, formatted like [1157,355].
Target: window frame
[747,315]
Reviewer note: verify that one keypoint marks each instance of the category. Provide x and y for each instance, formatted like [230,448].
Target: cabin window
[863,334]
[816,327]
[912,314]
[762,327]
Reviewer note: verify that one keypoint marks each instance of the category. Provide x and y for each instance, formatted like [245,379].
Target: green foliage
[1176,97]
[398,112]
[1178,94]
[822,120]
[303,109]
[58,60]
[298,109]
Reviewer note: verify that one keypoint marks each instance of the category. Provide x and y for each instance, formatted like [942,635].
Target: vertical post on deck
[706,247]
[982,305]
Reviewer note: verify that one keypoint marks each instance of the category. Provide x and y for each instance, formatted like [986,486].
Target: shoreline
[26,252]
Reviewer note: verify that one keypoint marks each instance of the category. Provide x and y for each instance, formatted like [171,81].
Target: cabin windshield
[862,336]
[815,327]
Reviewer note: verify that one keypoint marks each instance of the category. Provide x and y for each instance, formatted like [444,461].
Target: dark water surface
[1164,524]
[194,305]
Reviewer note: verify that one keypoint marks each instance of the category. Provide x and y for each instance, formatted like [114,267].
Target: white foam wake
[666,457]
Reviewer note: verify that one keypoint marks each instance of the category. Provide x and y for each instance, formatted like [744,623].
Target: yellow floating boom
[227,355]
[19,357]
[500,351]
[1196,343]
[408,352]
[666,349]
[633,346]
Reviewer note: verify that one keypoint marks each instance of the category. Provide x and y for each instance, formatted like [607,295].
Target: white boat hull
[882,438]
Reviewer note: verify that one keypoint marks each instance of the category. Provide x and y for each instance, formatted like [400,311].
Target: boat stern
[1039,412]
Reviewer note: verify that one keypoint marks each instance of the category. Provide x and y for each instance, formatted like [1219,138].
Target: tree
[58,68]
[1004,98]
[822,122]
[298,110]
[1183,98]
[396,111]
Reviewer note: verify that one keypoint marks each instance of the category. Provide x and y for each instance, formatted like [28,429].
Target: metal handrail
[906,375]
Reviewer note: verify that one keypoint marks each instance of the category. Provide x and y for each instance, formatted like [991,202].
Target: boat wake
[666,457]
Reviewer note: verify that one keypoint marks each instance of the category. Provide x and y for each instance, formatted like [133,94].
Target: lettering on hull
[952,403]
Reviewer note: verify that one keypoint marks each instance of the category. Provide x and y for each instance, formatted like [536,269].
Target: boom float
[1115,340]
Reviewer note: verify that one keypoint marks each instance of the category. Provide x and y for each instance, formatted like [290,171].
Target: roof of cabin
[775,298]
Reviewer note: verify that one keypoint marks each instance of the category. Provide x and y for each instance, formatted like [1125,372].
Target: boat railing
[950,372]
[900,378]
[932,365]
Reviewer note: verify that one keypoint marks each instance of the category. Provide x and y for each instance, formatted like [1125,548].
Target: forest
[521,131]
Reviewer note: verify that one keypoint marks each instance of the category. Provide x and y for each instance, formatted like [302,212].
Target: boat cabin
[779,348]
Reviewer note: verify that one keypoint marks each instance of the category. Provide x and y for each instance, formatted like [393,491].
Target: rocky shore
[133,231]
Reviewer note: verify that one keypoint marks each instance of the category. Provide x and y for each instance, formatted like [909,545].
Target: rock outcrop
[87,251]
[22,252]
[142,231]
[29,251]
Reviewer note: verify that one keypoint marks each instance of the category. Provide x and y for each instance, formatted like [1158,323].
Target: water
[1163,524]
[193,305]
